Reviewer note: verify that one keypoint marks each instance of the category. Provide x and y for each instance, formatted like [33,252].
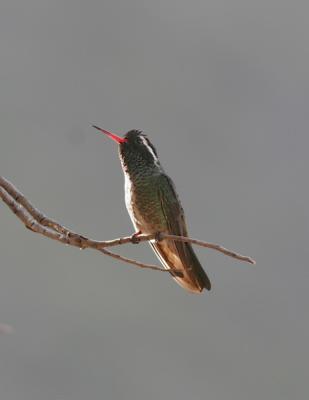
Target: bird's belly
[143,208]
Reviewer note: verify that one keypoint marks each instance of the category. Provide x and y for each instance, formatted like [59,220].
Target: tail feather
[181,256]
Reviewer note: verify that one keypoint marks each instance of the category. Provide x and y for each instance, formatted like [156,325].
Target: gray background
[221,87]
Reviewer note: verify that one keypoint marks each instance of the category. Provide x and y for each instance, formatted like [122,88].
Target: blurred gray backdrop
[222,89]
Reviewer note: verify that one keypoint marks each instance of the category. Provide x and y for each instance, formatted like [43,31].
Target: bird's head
[135,149]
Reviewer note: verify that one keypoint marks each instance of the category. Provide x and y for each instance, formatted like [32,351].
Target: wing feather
[178,255]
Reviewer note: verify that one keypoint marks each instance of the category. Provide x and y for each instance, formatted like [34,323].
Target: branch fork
[37,222]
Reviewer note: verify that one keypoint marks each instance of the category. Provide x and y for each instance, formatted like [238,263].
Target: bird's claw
[134,238]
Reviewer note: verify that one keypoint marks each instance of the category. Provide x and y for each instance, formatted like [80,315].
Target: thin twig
[36,221]
[213,246]
[173,272]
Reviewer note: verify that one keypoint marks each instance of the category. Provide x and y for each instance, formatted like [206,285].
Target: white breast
[128,192]
[136,217]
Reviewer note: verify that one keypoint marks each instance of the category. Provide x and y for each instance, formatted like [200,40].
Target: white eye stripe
[144,140]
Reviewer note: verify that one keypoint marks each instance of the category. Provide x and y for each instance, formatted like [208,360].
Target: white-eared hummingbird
[153,205]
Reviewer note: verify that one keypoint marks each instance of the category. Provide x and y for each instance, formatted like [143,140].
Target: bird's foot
[135,238]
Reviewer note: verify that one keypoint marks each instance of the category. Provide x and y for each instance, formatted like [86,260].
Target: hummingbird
[154,206]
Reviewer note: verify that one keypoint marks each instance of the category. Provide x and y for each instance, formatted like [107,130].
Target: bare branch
[213,246]
[36,221]
[36,214]
[174,272]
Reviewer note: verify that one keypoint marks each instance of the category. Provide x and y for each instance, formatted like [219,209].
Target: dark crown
[133,134]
